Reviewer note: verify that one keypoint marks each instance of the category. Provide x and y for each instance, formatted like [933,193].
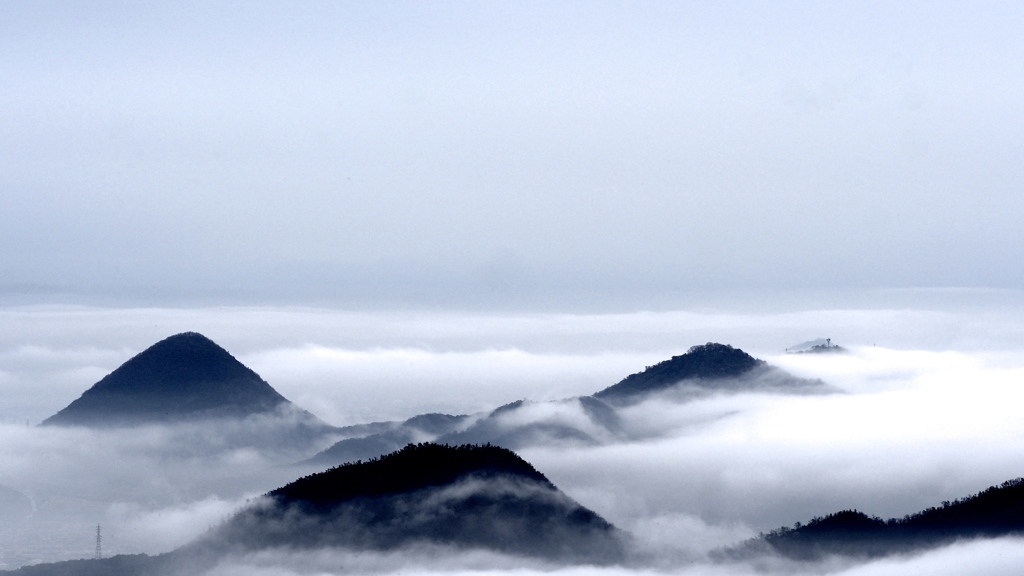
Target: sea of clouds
[928,412]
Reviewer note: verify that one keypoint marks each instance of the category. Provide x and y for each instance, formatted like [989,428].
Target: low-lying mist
[927,411]
[997,557]
[150,488]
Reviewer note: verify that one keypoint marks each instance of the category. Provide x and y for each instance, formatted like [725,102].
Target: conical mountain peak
[185,376]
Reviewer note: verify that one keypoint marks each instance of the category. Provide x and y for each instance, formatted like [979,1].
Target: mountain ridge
[703,370]
[993,512]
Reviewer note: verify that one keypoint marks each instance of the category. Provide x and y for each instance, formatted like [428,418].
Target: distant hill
[508,426]
[587,420]
[466,497]
[371,440]
[575,421]
[832,349]
[120,565]
[710,366]
[997,511]
[818,346]
[185,377]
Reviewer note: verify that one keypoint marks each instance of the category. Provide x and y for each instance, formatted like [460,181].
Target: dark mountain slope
[413,467]
[997,511]
[466,497]
[707,361]
[183,377]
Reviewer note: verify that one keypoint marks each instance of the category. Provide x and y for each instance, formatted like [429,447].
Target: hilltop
[711,361]
[466,497]
[185,377]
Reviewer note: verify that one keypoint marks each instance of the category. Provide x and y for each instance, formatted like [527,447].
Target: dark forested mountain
[709,361]
[466,497]
[183,377]
[414,467]
[997,511]
[707,368]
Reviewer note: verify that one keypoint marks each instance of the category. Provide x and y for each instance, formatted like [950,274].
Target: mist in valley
[902,427]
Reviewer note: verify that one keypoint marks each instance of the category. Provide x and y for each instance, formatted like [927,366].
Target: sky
[588,155]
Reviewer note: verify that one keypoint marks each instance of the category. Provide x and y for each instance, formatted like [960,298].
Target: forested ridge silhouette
[465,497]
[706,361]
[993,512]
[413,467]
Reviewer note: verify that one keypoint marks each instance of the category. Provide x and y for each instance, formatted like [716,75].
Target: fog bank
[926,414]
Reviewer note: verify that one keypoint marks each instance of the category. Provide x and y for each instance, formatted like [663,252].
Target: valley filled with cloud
[900,427]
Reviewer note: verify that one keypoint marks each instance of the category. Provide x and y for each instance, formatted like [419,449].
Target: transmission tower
[99,542]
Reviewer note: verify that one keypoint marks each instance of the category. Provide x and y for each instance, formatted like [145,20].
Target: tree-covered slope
[428,494]
[711,361]
[996,511]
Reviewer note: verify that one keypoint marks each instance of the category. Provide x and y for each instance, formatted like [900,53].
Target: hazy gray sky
[497,153]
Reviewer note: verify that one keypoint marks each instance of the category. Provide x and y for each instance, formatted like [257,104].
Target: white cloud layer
[922,419]
[1001,557]
[351,366]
